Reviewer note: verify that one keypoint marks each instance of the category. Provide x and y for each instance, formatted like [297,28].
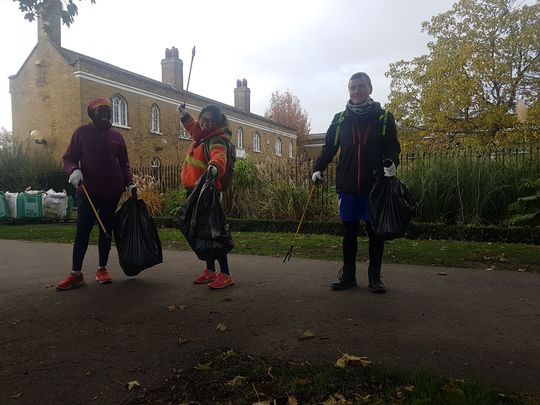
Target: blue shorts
[353,206]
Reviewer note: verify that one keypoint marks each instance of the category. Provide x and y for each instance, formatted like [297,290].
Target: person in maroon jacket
[96,157]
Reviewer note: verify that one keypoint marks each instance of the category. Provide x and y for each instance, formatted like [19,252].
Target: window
[155,163]
[291,154]
[279,147]
[240,143]
[119,117]
[154,120]
[256,142]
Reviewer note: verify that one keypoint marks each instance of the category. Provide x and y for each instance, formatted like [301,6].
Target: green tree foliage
[286,109]
[32,8]
[485,57]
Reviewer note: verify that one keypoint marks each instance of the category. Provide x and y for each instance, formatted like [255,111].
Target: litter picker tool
[189,75]
[289,253]
[95,211]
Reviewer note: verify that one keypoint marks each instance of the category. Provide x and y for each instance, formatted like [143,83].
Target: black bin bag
[202,221]
[136,237]
[391,207]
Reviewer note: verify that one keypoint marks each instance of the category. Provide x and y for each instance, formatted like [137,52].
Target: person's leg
[207,275]
[350,215]
[85,223]
[106,207]
[376,250]
[224,265]
[347,275]
[224,278]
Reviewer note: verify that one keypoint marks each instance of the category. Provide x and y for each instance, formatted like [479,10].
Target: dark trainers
[102,276]
[70,282]
[346,279]
[206,276]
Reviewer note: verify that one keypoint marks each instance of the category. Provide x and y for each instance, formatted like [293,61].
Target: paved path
[70,347]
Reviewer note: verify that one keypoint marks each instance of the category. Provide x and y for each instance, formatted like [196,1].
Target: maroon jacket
[103,159]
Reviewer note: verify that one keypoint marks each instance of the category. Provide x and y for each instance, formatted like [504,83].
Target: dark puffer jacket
[362,145]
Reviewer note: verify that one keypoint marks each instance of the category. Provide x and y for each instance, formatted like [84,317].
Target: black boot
[375,283]
[346,279]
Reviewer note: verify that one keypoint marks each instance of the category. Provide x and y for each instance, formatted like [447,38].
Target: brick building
[50,92]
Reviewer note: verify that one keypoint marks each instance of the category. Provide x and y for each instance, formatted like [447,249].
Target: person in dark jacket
[211,127]
[97,159]
[366,136]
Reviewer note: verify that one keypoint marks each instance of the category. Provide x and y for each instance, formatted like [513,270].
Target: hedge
[507,234]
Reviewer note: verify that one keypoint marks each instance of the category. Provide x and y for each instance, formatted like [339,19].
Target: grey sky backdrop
[310,47]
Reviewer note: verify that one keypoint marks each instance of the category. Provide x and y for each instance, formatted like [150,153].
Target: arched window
[256,142]
[291,150]
[279,147]
[155,163]
[240,142]
[119,111]
[155,119]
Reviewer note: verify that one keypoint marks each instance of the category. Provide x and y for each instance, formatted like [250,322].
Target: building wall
[42,97]
[52,96]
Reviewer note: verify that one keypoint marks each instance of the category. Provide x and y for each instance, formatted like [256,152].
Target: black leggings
[350,245]
[106,206]
[223,264]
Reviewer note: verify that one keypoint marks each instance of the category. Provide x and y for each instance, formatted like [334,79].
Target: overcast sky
[310,47]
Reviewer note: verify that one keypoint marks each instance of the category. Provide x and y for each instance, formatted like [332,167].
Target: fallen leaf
[181,341]
[348,359]
[171,308]
[227,298]
[133,385]
[292,401]
[236,381]
[307,334]
[203,367]
[221,327]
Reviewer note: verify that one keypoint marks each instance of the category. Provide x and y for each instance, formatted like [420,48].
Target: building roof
[73,57]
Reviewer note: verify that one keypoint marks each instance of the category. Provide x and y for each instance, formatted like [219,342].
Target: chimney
[172,69]
[242,95]
[50,22]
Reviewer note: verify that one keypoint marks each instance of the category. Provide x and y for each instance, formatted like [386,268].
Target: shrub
[464,190]
[19,168]
[526,210]
[173,200]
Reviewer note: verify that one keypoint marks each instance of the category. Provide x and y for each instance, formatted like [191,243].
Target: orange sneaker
[102,276]
[222,280]
[70,282]
[205,277]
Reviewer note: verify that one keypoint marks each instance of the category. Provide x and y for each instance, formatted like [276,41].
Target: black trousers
[350,245]
[106,207]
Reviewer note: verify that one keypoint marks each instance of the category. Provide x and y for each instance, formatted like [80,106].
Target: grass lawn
[494,256]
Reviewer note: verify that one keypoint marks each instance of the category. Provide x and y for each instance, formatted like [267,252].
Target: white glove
[390,171]
[212,170]
[130,188]
[316,177]
[76,178]
[181,109]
